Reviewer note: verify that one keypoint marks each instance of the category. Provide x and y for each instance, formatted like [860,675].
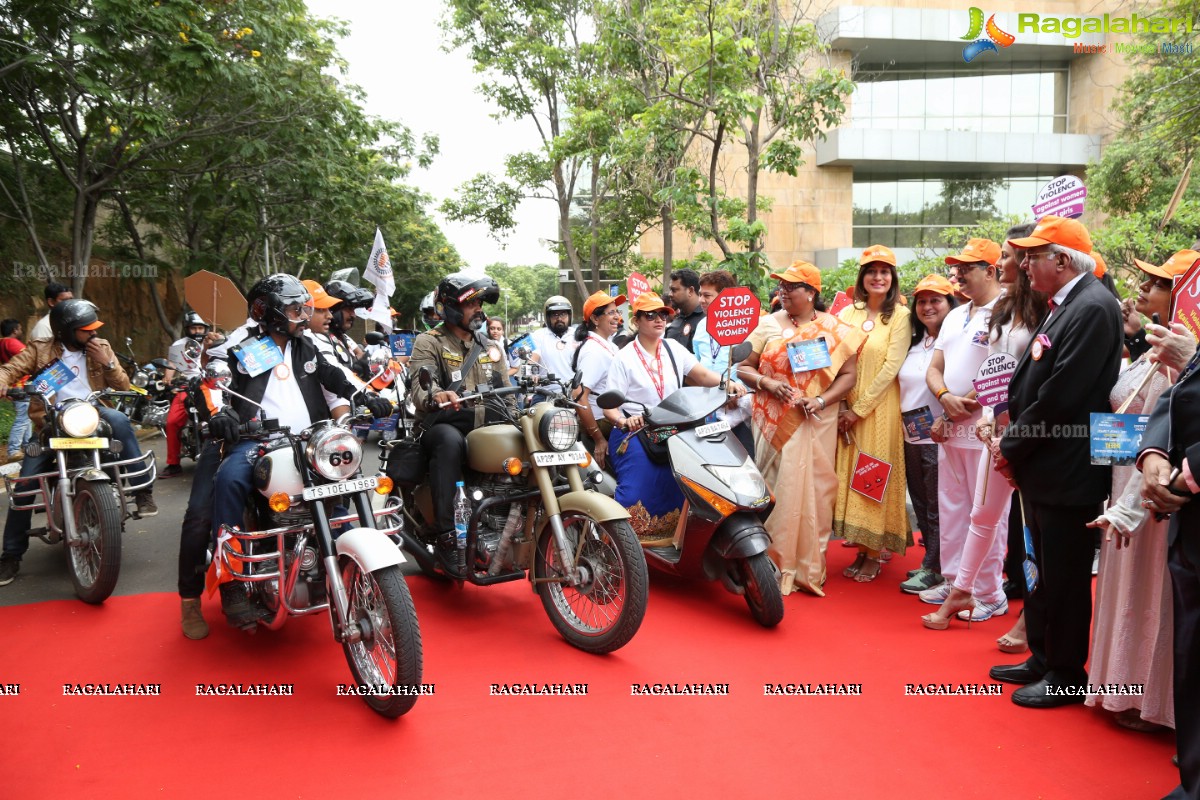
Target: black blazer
[1175,429]
[1052,397]
[310,370]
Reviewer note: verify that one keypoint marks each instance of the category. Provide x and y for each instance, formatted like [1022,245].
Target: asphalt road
[149,547]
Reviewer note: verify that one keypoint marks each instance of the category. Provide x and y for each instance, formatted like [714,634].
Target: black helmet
[191,320]
[71,315]
[273,297]
[459,288]
[429,314]
[349,297]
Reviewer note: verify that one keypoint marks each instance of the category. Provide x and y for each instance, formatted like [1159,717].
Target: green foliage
[523,290]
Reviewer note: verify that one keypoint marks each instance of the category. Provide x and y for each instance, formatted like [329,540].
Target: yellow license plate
[88,443]
[137,389]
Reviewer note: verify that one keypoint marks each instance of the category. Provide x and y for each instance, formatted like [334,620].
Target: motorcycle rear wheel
[603,613]
[761,583]
[389,654]
[95,563]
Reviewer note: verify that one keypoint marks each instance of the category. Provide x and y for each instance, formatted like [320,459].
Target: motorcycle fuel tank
[276,472]
[488,447]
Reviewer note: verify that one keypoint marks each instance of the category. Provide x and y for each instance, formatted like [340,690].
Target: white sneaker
[985,611]
[937,595]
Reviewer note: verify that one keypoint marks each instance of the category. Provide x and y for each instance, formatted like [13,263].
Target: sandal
[953,604]
[1011,642]
[869,570]
[853,570]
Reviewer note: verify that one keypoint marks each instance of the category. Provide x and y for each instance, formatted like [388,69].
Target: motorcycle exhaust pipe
[417,550]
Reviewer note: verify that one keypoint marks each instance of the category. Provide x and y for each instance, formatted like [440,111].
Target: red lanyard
[658,384]
[607,347]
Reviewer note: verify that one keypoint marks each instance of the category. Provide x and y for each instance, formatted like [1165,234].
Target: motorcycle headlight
[79,419]
[559,429]
[334,453]
[745,480]
[140,380]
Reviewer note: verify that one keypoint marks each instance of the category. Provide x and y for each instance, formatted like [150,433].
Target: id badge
[258,356]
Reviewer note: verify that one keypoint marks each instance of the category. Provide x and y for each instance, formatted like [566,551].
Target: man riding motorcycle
[348,298]
[460,357]
[184,356]
[555,343]
[300,388]
[73,324]
[430,317]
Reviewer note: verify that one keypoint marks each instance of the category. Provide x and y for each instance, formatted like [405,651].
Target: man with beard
[460,358]
[555,344]
[685,297]
[345,353]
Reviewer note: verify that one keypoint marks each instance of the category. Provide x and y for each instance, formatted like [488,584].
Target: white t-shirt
[177,355]
[41,330]
[635,373]
[965,344]
[596,355]
[325,348]
[283,400]
[914,390]
[76,361]
[554,352]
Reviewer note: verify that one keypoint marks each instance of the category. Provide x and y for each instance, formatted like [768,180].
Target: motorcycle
[534,518]
[290,560]
[726,498]
[84,497]
[149,399]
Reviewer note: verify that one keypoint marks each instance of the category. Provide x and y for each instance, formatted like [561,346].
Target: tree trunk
[752,171]
[139,247]
[714,215]
[594,225]
[668,230]
[82,232]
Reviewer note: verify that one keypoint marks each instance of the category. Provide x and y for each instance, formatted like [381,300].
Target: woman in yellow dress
[795,437]
[870,421]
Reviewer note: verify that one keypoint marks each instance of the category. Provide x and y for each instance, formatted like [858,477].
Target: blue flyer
[402,344]
[53,378]
[259,355]
[809,355]
[918,424]
[1029,566]
[1116,438]
[524,340]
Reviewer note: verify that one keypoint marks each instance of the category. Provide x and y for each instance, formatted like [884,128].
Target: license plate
[137,389]
[88,443]
[345,487]
[713,428]
[559,459]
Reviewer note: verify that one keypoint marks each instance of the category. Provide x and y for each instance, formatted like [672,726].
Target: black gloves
[224,425]
[378,407]
[362,368]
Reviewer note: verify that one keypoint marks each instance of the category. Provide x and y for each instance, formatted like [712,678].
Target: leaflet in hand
[53,378]
[259,355]
[809,355]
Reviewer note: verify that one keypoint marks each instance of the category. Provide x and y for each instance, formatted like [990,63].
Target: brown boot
[194,626]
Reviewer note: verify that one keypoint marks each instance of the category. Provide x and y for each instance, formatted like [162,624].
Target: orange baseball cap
[91,326]
[1057,230]
[877,252]
[977,250]
[650,301]
[1101,267]
[320,298]
[1177,264]
[934,283]
[800,272]
[600,300]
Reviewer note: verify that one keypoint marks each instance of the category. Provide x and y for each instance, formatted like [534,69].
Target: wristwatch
[111,365]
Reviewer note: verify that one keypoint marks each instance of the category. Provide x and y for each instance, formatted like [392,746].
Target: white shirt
[914,390]
[177,355]
[283,400]
[554,352]
[76,361]
[631,376]
[41,329]
[221,351]
[1061,295]
[965,345]
[325,348]
[596,355]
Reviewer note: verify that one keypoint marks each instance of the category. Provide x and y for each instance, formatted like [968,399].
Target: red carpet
[462,742]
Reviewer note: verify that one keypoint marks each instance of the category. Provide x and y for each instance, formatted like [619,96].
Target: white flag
[379,269]
[379,312]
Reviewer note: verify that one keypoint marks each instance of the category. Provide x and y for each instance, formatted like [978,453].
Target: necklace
[796,324]
[928,343]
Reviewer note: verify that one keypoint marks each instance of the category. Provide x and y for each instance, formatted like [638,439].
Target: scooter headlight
[79,419]
[559,429]
[334,453]
[140,379]
[745,481]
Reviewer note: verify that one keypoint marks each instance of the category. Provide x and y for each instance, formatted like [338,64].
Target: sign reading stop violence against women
[1185,300]
[638,286]
[991,382]
[1062,197]
[733,315]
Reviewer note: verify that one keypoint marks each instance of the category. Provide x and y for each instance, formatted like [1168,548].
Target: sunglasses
[789,287]
[653,315]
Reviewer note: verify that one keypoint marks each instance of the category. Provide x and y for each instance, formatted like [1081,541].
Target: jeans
[195,535]
[445,447]
[21,428]
[122,431]
[232,484]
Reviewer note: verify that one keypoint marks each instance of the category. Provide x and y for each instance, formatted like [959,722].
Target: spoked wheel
[761,582]
[605,609]
[389,654]
[95,561]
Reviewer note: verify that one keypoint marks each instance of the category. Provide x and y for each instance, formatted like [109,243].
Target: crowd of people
[1005,495]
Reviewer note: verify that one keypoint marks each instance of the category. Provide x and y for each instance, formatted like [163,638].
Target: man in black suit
[1170,465]
[1064,376]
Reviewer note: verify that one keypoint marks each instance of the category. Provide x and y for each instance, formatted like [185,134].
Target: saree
[795,452]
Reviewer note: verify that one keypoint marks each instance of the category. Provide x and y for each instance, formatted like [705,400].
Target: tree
[523,290]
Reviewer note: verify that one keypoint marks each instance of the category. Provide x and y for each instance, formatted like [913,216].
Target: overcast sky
[394,52]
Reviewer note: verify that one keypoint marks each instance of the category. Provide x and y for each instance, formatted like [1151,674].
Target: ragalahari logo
[995,36]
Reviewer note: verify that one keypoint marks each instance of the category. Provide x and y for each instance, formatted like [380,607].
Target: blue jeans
[195,534]
[232,484]
[122,431]
[16,527]
[19,434]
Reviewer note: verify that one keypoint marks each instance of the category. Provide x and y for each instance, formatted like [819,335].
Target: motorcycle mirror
[425,378]
[375,337]
[218,371]
[522,353]
[129,343]
[739,352]
[611,399]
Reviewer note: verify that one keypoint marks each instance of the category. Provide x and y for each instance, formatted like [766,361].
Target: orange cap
[1101,267]
[877,252]
[650,301]
[800,272]
[90,327]
[321,298]
[1057,230]
[600,300]
[934,283]
[977,250]
[1177,264]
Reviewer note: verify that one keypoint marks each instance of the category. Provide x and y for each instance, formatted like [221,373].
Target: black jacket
[1051,399]
[683,328]
[311,371]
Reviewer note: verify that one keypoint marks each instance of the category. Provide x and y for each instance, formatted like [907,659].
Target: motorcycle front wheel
[605,610]
[761,583]
[95,561]
[389,654]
